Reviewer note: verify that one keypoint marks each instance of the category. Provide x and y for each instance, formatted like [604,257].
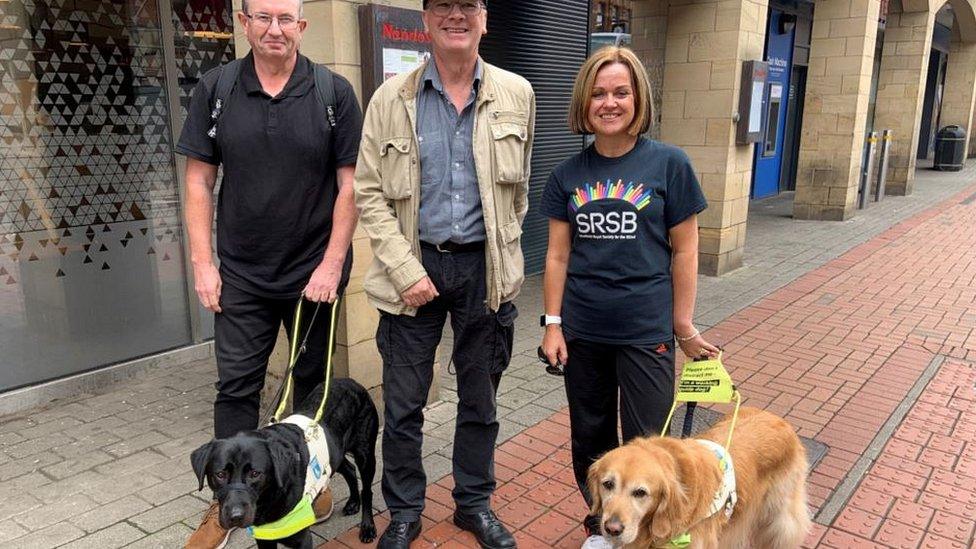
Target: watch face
[542,321]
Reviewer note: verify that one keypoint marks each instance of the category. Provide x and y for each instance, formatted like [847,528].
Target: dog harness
[317,476]
[726,497]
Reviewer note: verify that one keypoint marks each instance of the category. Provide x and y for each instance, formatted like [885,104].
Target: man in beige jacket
[441,186]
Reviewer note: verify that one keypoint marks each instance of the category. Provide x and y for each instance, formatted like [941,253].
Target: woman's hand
[554,345]
[697,347]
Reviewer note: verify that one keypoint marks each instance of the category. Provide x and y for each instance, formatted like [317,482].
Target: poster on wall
[393,42]
[397,61]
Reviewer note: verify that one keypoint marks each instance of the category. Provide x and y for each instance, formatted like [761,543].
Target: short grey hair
[300,7]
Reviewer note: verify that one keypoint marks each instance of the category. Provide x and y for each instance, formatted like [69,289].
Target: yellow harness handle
[293,358]
[706,381]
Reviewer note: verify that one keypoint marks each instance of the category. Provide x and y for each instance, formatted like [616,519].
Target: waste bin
[950,144]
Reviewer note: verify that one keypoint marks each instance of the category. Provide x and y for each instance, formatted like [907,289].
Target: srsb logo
[612,223]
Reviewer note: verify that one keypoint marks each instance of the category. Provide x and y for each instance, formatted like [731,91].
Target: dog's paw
[367,532]
[351,508]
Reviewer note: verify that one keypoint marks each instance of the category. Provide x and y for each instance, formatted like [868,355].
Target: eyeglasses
[264,21]
[442,8]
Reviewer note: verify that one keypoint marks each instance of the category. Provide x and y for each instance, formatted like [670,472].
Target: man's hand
[206,281]
[324,284]
[420,294]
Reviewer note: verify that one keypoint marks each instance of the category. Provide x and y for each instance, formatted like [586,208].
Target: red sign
[391,32]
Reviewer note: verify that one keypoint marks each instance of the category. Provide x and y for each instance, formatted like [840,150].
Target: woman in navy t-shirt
[622,263]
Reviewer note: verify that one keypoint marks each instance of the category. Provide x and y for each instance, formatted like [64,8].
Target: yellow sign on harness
[705,381]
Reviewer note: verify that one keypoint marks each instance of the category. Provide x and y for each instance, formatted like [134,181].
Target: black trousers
[244,336]
[482,350]
[644,377]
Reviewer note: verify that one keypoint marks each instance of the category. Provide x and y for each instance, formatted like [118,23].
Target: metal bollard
[865,187]
[883,165]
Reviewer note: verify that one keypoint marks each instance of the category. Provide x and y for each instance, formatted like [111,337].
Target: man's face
[273,27]
[456,26]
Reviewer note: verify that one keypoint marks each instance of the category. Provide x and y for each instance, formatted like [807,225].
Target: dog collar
[317,475]
[680,542]
[298,519]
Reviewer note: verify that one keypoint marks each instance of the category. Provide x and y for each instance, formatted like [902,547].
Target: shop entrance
[935,81]
[787,52]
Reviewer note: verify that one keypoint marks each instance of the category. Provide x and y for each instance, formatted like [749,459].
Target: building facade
[93,269]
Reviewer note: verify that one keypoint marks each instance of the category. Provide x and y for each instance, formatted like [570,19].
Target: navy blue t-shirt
[618,284]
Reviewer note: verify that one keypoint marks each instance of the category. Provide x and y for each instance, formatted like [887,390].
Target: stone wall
[707,41]
[835,112]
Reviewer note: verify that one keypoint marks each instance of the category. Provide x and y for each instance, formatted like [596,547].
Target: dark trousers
[482,350]
[244,336]
[644,377]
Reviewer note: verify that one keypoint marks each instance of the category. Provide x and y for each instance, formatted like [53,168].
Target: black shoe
[398,535]
[592,526]
[486,527]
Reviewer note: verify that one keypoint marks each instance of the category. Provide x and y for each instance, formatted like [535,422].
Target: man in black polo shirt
[285,214]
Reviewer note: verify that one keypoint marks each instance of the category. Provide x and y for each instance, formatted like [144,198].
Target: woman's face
[611,109]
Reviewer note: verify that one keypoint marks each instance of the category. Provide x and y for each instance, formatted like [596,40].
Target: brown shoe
[323,506]
[210,534]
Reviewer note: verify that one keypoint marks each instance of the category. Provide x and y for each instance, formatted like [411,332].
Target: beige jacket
[388,184]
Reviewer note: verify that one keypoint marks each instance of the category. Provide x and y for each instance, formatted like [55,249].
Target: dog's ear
[593,476]
[200,459]
[284,461]
[673,504]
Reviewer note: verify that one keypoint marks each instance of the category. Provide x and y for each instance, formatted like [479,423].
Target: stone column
[835,112]
[707,41]
[649,26]
[901,91]
[960,87]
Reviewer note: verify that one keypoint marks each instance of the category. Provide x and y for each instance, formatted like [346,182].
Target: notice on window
[396,61]
[775,92]
[755,108]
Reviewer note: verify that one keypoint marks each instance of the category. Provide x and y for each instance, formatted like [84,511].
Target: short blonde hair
[583,89]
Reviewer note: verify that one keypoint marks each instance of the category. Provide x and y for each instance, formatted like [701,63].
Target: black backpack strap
[226,80]
[325,88]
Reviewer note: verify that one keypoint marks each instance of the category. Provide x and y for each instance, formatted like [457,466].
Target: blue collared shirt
[450,204]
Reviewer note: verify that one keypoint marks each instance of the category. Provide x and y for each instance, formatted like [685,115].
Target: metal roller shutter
[545,41]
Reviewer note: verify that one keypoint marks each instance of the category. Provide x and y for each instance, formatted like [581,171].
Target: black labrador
[258,476]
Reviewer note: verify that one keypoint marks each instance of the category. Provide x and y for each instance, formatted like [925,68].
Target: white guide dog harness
[726,497]
[319,469]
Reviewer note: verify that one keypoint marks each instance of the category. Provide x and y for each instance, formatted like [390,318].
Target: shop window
[91,249]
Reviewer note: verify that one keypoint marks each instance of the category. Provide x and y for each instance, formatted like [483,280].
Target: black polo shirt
[274,208]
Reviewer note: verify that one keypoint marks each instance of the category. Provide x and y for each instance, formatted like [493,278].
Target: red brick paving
[834,352]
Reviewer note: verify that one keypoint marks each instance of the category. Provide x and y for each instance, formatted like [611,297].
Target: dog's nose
[237,514]
[613,527]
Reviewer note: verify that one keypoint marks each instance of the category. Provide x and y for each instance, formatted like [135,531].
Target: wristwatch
[546,320]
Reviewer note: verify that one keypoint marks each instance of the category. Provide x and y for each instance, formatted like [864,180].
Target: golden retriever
[653,490]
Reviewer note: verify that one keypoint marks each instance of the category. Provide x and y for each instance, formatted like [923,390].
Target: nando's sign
[396,34]
[393,41]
